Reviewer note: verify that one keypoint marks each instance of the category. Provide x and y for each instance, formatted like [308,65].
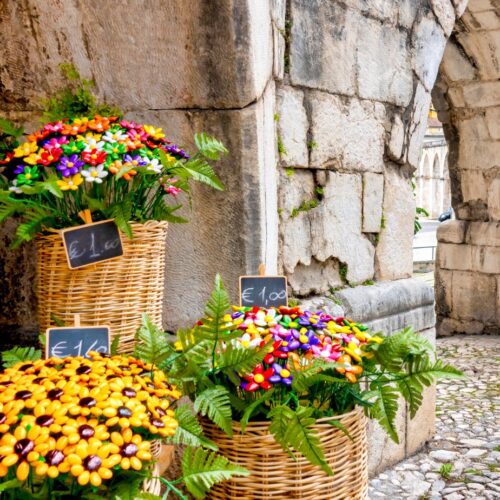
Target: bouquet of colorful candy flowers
[78,427]
[291,367]
[115,168]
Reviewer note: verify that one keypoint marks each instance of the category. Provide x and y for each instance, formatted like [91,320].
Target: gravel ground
[463,459]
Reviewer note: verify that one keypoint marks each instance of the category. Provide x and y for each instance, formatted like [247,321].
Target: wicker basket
[153,485]
[113,293]
[275,475]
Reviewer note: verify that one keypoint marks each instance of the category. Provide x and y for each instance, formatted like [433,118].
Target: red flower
[48,157]
[276,352]
[94,157]
[8,157]
[258,379]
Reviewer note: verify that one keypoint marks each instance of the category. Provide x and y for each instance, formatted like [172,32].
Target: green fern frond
[34,221]
[201,469]
[113,350]
[237,358]
[252,407]
[20,354]
[189,431]
[162,211]
[151,345]
[209,146]
[122,213]
[214,402]
[385,408]
[294,430]
[199,170]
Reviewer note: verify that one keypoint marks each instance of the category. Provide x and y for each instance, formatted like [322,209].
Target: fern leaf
[250,409]
[122,214]
[209,146]
[412,391]
[114,346]
[162,211]
[151,343]
[237,358]
[201,469]
[20,354]
[189,431]
[214,403]
[8,128]
[385,408]
[293,429]
[199,170]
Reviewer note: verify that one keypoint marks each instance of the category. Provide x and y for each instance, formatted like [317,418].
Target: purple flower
[173,149]
[136,160]
[281,374]
[70,165]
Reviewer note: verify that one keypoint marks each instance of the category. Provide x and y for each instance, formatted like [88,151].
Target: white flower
[155,166]
[114,136]
[95,174]
[14,187]
[93,144]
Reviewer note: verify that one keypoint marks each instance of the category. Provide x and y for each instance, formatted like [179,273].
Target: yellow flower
[32,159]
[155,133]
[354,351]
[25,149]
[71,183]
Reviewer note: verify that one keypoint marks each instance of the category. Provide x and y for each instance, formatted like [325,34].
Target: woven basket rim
[56,233]
[262,423]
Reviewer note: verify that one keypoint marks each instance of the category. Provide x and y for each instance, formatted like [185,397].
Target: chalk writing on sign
[77,341]
[263,291]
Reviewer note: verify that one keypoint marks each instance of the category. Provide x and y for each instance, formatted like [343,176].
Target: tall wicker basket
[275,475]
[113,293]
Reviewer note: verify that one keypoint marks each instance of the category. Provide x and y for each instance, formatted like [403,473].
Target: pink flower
[53,127]
[174,191]
[55,143]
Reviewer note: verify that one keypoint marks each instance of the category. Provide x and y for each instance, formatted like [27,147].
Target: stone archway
[467,97]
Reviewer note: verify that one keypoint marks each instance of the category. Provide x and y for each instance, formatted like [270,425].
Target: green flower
[115,150]
[28,176]
[73,147]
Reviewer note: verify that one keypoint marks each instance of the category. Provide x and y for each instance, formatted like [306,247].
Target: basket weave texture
[153,485]
[112,293]
[275,475]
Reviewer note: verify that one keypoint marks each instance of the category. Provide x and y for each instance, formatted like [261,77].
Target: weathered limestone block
[278,11]
[420,113]
[486,259]
[336,227]
[451,256]
[381,9]
[214,241]
[481,47]
[455,65]
[481,94]
[390,306]
[317,277]
[384,71]
[373,195]
[422,426]
[494,198]
[428,41]
[323,45]
[292,126]
[473,296]
[348,134]
[452,231]
[483,233]
[443,286]
[295,232]
[450,326]
[184,52]
[493,122]
[478,155]
[396,142]
[445,13]
[322,303]
[473,129]
[393,255]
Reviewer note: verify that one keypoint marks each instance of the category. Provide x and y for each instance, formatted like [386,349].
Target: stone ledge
[385,299]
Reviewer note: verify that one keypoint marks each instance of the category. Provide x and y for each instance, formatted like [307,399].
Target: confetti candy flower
[95,174]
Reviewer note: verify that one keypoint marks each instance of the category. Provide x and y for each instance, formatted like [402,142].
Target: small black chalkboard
[91,243]
[76,341]
[263,291]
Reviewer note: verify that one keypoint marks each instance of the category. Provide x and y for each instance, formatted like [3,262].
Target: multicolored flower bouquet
[291,367]
[83,428]
[115,168]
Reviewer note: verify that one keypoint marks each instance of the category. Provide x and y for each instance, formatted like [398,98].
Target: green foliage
[281,147]
[215,403]
[419,212]
[202,469]
[385,409]
[445,471]
[75,99]
[312,145]
[151,343]
[121,212]
[114,345]
[294,431]
[305,206]
[209,147]
[9,136]
[189,432]
[289,171]
[20,354]
[343,270]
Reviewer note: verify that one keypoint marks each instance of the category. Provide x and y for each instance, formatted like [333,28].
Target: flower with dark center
[129,450]
[55,393]
[54,457]
[129,392]
[92,463]
[86,431]
[23,395]
[45,420]
[87,402]
[83,370]
[123,411]
[23,447]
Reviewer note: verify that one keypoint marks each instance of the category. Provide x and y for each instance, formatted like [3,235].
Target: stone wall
[467,96]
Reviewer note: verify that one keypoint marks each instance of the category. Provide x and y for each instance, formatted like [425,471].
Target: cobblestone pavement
[463,459]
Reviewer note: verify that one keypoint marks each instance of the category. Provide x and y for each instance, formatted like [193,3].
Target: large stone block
[428,42]
[478,155]
[295,232]
[445,13]
[214,241]
[373,195]
[493,122]
[422,426]
[481,47]
[393,255]
[336,227]
[455,65]
[486,259]
[443,282]
[335,122]
[292,126]
[384,70]
[494,198]
[451,256]
[483,233]
[450,326]
[482,94]
[323,45]
[315,278]
[473,296]
[418,121]
[452,231]
[174,56]
[278,14]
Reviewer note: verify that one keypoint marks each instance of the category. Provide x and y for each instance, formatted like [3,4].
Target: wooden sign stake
[262,269]
[86,216]
[77,320]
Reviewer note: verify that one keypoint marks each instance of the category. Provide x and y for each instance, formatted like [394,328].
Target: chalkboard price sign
[263,291]
[92,243]
[77,341]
